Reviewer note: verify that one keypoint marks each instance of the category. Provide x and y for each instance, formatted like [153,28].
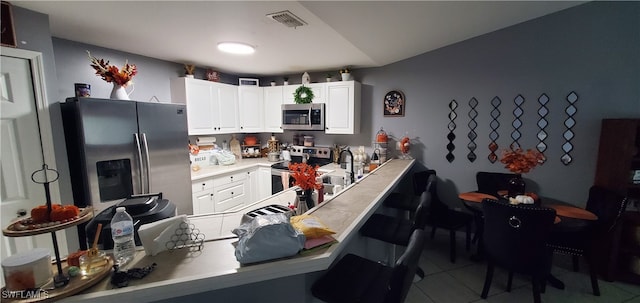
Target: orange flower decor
[111,73]
[305,175]
[518,161]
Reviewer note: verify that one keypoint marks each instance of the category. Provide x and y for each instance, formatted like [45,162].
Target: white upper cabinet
[343,107]
[251,109]
[273,99]
[319,92]
[212,108]
[227,109]
[287,94]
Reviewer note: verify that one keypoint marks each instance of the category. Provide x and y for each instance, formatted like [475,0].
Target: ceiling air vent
[287,18]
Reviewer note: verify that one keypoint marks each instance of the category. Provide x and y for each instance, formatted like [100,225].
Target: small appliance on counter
[274,150]
[142,208]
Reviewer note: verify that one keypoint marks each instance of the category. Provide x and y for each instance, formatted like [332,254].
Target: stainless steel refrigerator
[119,148]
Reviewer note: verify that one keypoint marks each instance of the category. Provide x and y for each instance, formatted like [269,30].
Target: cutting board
[234,145]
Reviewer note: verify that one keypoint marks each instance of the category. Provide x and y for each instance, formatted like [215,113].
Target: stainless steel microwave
[309,116]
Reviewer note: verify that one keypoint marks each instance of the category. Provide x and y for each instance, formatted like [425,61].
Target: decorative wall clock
[394,103]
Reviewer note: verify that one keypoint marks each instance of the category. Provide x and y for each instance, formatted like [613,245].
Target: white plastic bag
[267,237]
[225,157]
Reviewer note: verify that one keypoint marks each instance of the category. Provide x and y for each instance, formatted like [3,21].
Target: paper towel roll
[206,140]
[155,235]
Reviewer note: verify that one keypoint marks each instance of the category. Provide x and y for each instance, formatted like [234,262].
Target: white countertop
[182,272]
[240,164]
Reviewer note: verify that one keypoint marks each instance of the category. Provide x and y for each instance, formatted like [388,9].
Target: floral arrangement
[111,73]
[305,175]
[519,161]
[345,70]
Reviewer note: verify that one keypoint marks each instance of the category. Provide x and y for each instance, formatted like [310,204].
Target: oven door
[277,180]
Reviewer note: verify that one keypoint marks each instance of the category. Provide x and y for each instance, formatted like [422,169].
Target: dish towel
[285,179]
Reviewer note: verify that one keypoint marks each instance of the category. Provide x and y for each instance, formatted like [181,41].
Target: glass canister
[308,141]
[381,136]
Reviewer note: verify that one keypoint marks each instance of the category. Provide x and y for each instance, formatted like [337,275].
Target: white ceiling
[339,33]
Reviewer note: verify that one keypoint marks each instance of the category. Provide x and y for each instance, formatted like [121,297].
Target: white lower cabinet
[230,191]
[230,195]
[202,196]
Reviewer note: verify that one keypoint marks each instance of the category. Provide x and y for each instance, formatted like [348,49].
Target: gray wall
[591,49]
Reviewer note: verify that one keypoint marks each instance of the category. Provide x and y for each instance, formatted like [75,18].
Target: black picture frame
[8,33]
[393,104]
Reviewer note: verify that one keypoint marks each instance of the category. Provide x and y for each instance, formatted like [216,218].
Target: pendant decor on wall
[542,124]
[571,110]
[517,123]
[473,114]
[451,126]
[394,103]
[494,125]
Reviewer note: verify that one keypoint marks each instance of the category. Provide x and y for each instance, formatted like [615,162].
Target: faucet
[351,157]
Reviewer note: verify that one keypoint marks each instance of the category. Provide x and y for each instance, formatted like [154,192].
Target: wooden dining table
[571,213]
[473,202]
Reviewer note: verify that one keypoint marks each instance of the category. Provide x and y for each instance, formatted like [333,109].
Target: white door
[21,148]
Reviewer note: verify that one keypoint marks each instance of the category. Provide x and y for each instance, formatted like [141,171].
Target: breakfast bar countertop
[183,272]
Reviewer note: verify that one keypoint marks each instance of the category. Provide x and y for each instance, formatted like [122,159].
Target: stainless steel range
[313,155]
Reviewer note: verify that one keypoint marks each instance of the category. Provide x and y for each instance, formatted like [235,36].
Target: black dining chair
[487,183]
[582,238]
[491,182]
[440,215]
[357,279]
[515,238]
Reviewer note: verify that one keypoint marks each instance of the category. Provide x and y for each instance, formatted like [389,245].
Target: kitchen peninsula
[214,273]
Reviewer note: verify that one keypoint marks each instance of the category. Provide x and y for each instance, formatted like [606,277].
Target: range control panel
[312,151]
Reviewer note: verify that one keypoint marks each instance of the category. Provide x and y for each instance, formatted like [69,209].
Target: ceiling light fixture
[236,48]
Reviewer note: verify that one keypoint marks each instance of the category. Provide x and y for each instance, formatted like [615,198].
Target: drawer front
[201,185]
[228,179]
[230,196]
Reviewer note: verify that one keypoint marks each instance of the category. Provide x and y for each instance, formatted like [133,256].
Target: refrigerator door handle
[137,139]
[148,162]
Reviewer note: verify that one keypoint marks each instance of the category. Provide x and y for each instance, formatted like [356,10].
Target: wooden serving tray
[50,294]
[11,231]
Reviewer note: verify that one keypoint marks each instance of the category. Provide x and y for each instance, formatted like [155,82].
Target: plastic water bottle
[124,247]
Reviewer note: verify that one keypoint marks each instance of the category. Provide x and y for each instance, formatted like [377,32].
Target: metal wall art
[570,110]
[542,124]
[517,123]
[394,104]
[494,124]
[451,126]
[473,113]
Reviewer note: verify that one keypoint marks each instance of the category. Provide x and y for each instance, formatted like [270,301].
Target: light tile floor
[462,282]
